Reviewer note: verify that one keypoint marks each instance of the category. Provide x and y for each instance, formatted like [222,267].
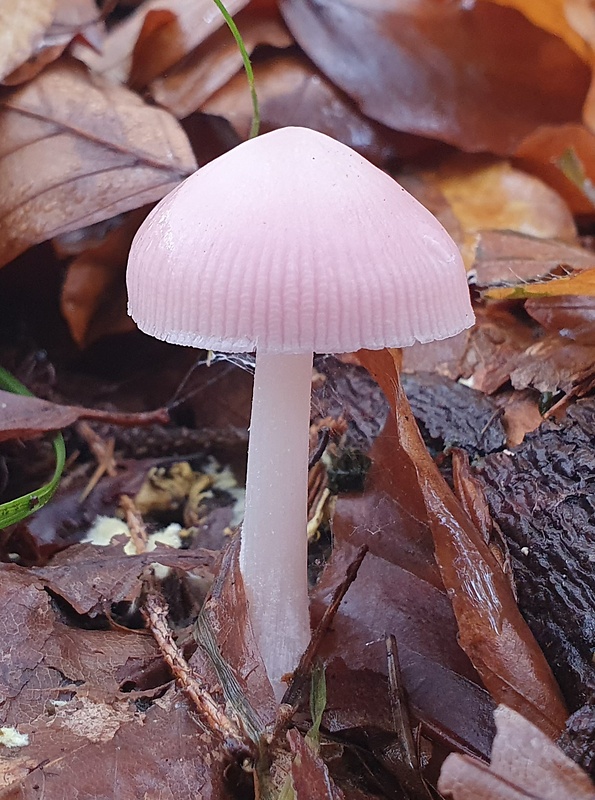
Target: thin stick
[235,742]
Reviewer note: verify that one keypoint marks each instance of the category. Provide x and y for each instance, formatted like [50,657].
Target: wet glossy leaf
[76,150]
[477,75]
[491,629]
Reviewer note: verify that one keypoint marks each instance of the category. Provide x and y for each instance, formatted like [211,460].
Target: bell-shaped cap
[293,242]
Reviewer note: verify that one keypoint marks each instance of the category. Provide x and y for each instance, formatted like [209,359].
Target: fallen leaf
[291,91]
[492,195]
[25,417]
[524,764]
[571,20]
[309,774]
[77,150]
[507,258]
[93,299]
[133,52]
[22,26]
[541,150]
[186,86]
[65,689]
[570,315]
[476,75]
[582,283]
[490,628]
[71,18]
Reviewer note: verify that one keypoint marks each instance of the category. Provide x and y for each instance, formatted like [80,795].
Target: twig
[155,613]
[136,525]
[301,675]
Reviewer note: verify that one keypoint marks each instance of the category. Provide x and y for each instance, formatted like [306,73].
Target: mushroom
[288,244]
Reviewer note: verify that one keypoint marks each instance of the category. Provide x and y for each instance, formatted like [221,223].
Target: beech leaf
[525,765]
[138,53]
[583,283]
[477,75]
[491,629]
[76,150]
[25,417]
[22,25]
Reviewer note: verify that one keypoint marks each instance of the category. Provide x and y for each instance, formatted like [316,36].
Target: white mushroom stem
[273,554]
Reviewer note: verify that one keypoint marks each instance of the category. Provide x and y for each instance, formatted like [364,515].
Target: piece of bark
[540,494]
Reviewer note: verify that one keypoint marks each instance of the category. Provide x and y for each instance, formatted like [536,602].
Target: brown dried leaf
[93,300]
[185,87]
[478,75]
[62,687]
[292,92]
[580,284]
[541,151]
[572,317]
[22,26]
[309,773]
[71,18]
[25,417]
[133,52]
[76,150]
[491,629]
[504,257]
[525,765]
[492,195]
[571,20]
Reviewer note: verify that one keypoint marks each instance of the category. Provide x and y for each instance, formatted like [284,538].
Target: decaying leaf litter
[484,112]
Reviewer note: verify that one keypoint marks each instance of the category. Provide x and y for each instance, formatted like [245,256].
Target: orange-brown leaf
[75,150]
[582,283]
[93,298]
[185,87]
[133,51]
[491,629]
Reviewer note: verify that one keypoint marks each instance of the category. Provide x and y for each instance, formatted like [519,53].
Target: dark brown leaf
[476,75]
[491,629]
[25,417]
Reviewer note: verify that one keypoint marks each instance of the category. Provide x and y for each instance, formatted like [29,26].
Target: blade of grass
[254,128]
[21,507]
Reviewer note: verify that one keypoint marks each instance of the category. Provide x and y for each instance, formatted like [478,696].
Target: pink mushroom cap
[292,242]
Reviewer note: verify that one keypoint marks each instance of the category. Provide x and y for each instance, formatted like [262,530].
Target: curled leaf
[491,629]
